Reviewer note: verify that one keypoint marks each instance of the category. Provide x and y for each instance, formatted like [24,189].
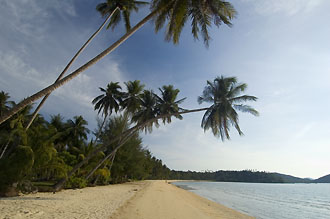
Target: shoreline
[139,200]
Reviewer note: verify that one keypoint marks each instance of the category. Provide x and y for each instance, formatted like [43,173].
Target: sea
[268,200]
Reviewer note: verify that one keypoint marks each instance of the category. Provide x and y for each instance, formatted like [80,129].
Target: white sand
[138,200]
[92,202]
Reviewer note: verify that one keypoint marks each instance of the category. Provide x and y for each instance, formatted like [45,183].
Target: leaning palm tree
[224,94]
[112,10]
[119,9]
[176,12]
[145,118]
[151,106]
[108,102]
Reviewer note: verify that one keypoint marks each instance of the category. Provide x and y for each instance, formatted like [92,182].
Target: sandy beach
[138,200]
[92,202]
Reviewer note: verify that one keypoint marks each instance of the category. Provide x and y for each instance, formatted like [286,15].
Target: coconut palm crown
[224,94]
[132,98]
[202,14]
[110,100]
[125,9]
[148,110]
[167,103]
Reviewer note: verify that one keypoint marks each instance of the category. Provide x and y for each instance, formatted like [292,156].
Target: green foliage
[68,158]
[224,94]
[200,13]
[125,9]
[76,182]
[16,167]
[103,176]
[59,150]
[110,100]
[229,176]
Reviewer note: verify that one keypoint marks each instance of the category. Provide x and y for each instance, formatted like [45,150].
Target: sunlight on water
[268,201]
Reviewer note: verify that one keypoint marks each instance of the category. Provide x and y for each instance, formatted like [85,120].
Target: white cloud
[35,48]
[287,7]
[32,17]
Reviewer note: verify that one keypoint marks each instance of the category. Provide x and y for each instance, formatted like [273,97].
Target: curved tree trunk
[51,88]
[125,135]
[36,111]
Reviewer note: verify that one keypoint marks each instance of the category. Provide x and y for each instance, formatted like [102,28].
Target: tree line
[49,149]
[229,176]
[59,152]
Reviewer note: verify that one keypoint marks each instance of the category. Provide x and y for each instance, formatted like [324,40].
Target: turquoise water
[268,201]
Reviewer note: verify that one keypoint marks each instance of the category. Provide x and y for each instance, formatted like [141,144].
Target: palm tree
[201,13]
[108,102]
[167,103]
[17,134]
[148,110]
[132,98]
[77,131]
[224,94]
[124,8]
[111,10]
[5,104]
[56,122]
[177,15]
[150,107]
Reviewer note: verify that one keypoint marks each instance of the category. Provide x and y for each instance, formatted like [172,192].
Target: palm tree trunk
[100,130]
[112,160]
[112,154]
[99,164]
[51,88]
[125,135]
[5,148]
[69,65]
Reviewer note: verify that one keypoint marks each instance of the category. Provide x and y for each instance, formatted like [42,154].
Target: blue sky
[280,48]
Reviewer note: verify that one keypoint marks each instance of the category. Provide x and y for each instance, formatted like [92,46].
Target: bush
[75,182]
[14,168]
[103,176]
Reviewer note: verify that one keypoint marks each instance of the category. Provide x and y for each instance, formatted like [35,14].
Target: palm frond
[246,109]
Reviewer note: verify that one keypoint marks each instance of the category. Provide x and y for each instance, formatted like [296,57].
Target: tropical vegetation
[62,154]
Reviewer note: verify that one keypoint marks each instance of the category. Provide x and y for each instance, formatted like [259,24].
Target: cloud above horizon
[286,7]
